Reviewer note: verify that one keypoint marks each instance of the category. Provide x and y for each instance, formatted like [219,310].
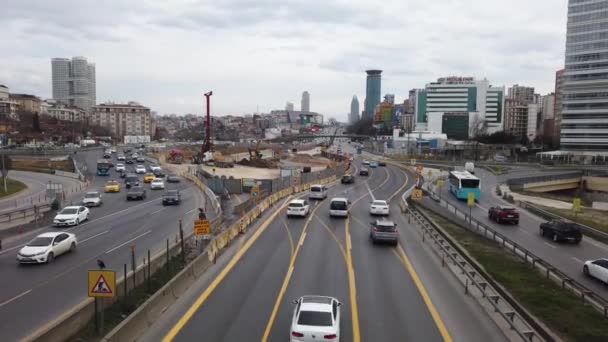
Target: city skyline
[528,52]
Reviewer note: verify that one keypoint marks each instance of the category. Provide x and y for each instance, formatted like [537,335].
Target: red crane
[207,146]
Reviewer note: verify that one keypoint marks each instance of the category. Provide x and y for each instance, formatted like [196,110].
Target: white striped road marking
[15,298]
[92,237]
[133,239]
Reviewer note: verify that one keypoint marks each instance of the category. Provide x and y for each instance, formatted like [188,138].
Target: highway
[568,258]
[34,295]
[388,293]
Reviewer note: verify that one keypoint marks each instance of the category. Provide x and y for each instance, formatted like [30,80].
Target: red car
[502,214]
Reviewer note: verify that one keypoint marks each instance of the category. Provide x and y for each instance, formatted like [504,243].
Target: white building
[289,107]
[531,130]
[64,112]
[74,82]
[8,107]
[305,103]
[131,119]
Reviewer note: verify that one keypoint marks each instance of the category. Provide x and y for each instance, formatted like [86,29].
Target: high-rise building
[354,110]
[521,118]
[123,119]
[522,94]
[74,82]
[289,107]
[305,102]
[483,102]
[559,82]
[372,92]
[584,116]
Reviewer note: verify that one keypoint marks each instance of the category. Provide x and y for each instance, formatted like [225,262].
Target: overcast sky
[261,53]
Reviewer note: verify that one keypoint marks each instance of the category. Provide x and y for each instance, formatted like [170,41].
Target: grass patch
[12,187]
[559,309]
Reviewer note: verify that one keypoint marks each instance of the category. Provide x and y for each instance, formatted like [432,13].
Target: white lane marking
[370,191]
[550,245]
[133,239]
[480,207]
[10,249]
[15,298]
[596,243]
[302,240]
[577,259]
[92,237]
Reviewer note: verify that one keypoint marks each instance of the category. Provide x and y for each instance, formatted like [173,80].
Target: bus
[103,167]
[461,183]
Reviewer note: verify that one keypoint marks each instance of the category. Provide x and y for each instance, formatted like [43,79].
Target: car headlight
[40,253]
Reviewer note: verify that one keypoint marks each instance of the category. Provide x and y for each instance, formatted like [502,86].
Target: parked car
[597,269]
[348,179]
[71,216]
[298,208]
[172,197]
[502,214]
[364,172]
[561,230]
[136,193]
[45,247]
[315,318]
[92,199]
[378,207]
[383,231]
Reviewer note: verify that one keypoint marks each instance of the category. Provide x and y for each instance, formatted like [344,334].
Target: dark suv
[131,180]
[364,172]
[502,214]
[348,179]
[171,197]
[561,230]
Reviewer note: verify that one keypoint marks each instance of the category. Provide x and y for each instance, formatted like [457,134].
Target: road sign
[419,169]
[201,227]
[440,182]
[417,194]
[576,204]
[102,283]
[254,192]
[471,199]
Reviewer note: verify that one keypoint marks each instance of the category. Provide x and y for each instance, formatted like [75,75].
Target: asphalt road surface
[34,295]
[388,293]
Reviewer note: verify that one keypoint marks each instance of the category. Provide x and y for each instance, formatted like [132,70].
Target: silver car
[384,231]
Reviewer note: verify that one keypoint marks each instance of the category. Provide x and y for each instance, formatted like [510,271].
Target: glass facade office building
[372,92]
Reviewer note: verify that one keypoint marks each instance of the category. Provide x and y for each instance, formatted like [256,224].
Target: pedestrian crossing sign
[102,283]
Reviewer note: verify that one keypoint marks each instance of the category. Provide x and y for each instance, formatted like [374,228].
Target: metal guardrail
[551,216]
[23,213]
[551,272]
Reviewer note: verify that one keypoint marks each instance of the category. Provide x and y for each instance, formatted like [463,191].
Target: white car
[120,167]
[597,269]
[113,150]
[155,168]
[378,207]
[366,162]
[315,318]
[157,184]
[92,199]
[140,169]
[121,157]
[298,208]
[45,247]
[71,216]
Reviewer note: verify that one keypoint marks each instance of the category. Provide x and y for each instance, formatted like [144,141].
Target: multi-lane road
[388,293]
[32,296]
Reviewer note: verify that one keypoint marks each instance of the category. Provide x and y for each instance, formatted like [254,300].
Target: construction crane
[331,140]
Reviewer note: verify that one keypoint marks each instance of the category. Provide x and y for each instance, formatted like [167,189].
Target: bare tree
[478,127]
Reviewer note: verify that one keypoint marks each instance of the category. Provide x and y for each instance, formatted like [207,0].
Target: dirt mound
[260,163]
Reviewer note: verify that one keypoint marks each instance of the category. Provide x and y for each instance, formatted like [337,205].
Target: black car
[131,180]
[158,173]
[173,179]
[107,155]
[381,163]
[172,197]
[364,172]
[136,193]
[129,161]
[348,179]
[561,230]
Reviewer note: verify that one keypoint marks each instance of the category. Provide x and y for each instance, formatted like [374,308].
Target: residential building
[354,110]
[584,117]
[521,119]
[61,111]
[389,98]
[547,117]
[8,106]
[484,103]
[305,103]
[522,94]
[74,82]
[372,92]
[289,107]
[27,103]
[559,81]
[131,119]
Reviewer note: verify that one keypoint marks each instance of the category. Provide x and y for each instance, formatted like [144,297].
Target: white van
[470,167]
[339,206]
[318,192]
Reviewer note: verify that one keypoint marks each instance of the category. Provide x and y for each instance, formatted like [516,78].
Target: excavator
[254,154]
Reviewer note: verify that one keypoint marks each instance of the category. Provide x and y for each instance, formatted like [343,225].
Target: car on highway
[129,160]
[364,172]
[597,269]
[315,318]
[502,214]
[131,180]
[120,167]
[149,177]
[46,246]
[120,157]
[298,208]
[155,168]
[339,206]
[558,230]
[107,155]
[136,193]
[92,199]
[111,186]
[172,197]
[173,179]
[365,162]
[158,173]
[140,169]
[347,179]
[135,155]
[157,184]
[373,164]
[381,163]
[318,191]
[113,150]
[378,207]
[383,231]
[71,216]
[140,159]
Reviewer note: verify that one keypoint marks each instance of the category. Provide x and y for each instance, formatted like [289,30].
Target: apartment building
[131,119]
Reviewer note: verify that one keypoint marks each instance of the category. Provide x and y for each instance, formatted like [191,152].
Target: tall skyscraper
[559,84]
[372,91]
[74,82]
[584,116]
[305,102]
[354,110]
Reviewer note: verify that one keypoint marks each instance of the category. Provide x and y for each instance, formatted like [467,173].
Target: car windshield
[136,189]
[171,193]
[91,195]
[40,241]
[68,211]
[316,189]
[337,205]
[385,226]
[296,205]
[132,179]
[315,318]
[383,203]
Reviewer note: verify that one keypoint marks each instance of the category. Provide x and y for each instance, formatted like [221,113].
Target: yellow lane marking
[218,279]
[333,236]
[292,261]
[400,188]
[290,238]
[352,289]
[400,253]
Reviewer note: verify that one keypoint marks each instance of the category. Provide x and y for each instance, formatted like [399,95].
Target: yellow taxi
[112,186]
[149,177]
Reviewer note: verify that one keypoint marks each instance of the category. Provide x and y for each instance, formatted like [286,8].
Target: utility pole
[207,146]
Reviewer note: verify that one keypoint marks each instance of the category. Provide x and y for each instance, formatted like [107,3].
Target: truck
[87,142]
[469,167]
[502,214]
[175,156]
